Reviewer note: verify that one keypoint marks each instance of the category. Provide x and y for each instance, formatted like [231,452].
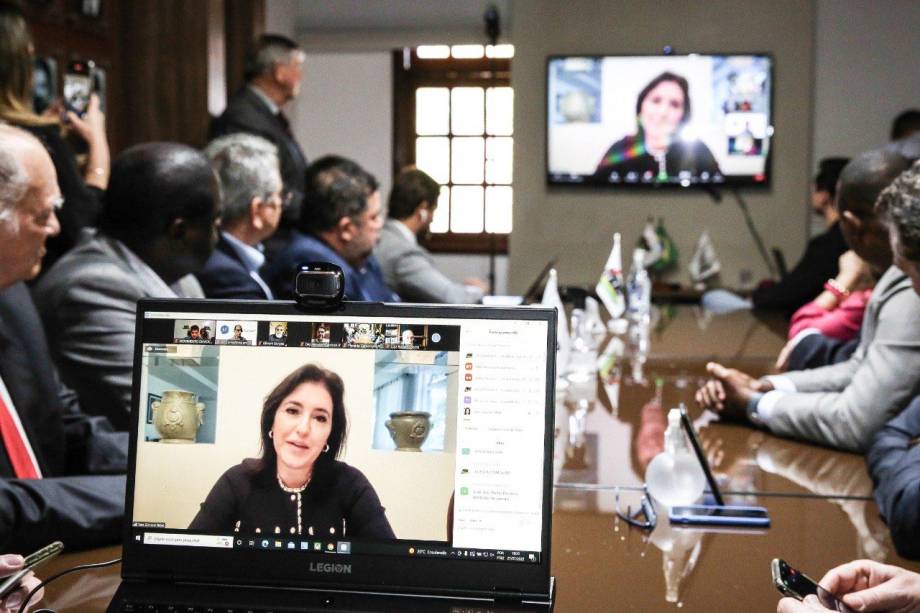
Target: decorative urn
[178,416]
[409,429]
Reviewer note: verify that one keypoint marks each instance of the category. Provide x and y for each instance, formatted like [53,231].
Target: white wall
[867,70]
[346,107]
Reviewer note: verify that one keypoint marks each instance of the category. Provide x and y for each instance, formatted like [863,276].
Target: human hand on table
[728,391]
[9,564]
[865,585]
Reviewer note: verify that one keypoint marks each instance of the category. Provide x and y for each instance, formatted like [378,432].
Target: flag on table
[668,257]
[651,242]
[704,263]
[551,298]
[610,287]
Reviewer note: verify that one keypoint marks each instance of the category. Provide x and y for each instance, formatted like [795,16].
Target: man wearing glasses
[252,196]
[61,471]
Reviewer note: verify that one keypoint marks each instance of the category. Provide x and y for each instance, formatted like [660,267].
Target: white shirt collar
[252,257]
[274,108]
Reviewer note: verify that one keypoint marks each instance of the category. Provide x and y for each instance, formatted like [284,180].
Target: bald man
[61,471]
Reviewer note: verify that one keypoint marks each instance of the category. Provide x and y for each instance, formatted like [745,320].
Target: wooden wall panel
[159,56]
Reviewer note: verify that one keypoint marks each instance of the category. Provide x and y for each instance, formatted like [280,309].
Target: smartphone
[78,86]
[791,582]
[700,456]
[11,583]
[718,515]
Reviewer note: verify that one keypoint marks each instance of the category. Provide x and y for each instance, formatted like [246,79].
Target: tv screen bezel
[733,181]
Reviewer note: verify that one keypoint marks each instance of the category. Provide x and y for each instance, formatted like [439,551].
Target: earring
[326,448]
[271,434]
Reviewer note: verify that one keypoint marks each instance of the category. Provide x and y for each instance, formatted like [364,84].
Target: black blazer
[806,280]
[246,112]
[82,511]
[225,276]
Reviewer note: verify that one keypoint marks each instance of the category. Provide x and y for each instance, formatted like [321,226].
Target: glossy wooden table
[819,500]
[609,427]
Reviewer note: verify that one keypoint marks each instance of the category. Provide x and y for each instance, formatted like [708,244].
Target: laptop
[532,295]
[246,493]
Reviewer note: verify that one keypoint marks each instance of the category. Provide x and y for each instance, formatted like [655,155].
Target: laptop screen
[384,431]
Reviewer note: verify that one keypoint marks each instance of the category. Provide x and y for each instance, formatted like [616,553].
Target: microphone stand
[493,28]
[746,213]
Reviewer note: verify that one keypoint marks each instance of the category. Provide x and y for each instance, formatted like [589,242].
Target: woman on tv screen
[657,151]
[298,487]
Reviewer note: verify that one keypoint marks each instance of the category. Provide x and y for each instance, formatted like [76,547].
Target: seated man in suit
[843,405]
[894,459]
[274,71]
[252,201]
[407,267]
[61,471]
[345,221]
[159,224]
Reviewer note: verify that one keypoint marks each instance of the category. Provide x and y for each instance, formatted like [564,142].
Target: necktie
[17,447]
[283,120]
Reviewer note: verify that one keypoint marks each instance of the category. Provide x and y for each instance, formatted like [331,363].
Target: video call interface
[445,426]
[659,120]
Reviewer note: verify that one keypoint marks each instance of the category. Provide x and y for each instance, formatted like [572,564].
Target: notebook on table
[439,497]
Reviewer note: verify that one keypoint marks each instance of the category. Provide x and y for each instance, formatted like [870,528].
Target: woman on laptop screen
[658,151]
[298,487]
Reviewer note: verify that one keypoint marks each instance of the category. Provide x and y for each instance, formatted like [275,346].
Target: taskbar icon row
[343,547]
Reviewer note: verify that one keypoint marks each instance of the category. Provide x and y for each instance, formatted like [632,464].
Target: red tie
[17,448]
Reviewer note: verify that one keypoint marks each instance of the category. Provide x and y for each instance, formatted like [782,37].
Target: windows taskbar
[329,546]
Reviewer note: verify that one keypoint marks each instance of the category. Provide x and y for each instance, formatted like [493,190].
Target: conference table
[610,414]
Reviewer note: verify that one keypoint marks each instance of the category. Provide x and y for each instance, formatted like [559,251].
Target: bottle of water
[674,476]
[639,290]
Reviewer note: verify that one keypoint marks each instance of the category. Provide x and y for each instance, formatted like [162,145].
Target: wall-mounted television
[652,121]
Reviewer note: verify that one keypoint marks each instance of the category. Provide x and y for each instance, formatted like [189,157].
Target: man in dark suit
[61,471]
[274,72]
[343,228]
[252,200]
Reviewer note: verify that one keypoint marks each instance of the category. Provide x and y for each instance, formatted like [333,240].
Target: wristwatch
[751,410]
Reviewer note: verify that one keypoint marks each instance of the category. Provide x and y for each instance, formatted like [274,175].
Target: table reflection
[614,394]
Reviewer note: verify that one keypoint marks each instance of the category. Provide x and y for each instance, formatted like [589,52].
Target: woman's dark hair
[308,373]
[16,67]
[666,76]
[829,170]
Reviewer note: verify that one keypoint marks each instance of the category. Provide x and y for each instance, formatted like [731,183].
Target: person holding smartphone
[863,585]
[82,189]
[9,564]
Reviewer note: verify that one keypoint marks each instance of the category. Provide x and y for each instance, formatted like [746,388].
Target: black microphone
[493,25]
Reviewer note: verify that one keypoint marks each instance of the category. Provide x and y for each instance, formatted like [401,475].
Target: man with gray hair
[274,71]
[61,471]
[253,200]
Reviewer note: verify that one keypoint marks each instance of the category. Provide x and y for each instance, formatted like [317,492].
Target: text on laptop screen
[241,441]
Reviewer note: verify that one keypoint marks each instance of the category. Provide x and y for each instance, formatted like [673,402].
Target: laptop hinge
[507,594]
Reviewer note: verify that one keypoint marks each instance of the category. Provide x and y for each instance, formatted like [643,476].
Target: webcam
[319,285]
[668,50]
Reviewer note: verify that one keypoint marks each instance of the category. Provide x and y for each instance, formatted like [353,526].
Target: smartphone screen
[713,511]
[799,585]
[78,85]
[716,516]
